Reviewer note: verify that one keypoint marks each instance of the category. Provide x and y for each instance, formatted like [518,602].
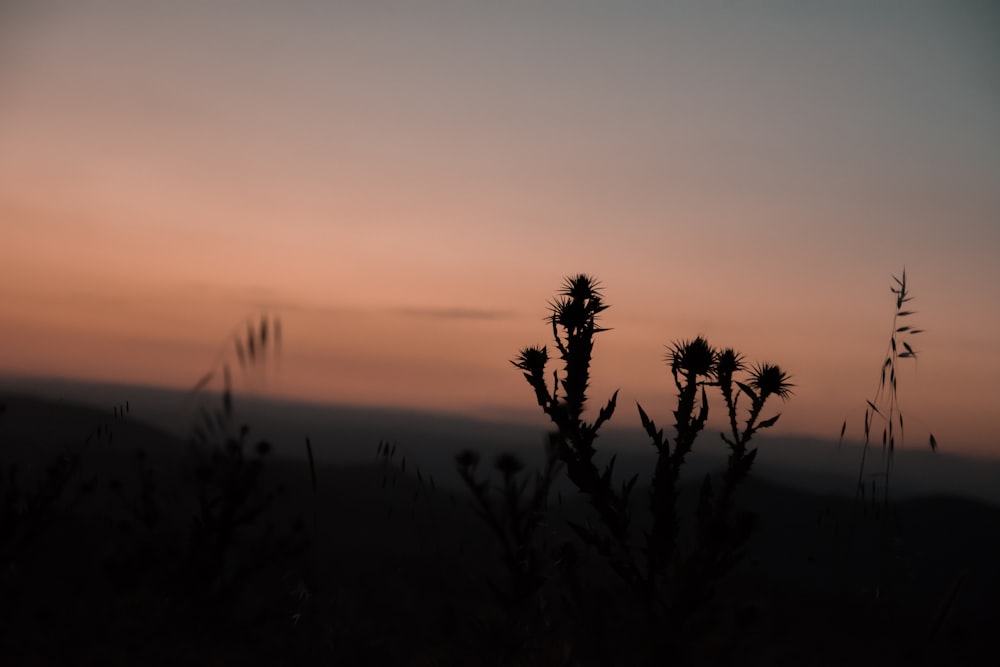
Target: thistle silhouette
[669,584]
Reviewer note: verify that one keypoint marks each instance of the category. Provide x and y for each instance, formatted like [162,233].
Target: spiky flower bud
[693,356]
[467,459]
[532,360]
[729,362]
[509,465]
[769,379]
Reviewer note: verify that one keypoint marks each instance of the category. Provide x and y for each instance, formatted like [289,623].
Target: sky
[407,184]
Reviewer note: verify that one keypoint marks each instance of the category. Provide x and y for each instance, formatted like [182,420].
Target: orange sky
[407,188]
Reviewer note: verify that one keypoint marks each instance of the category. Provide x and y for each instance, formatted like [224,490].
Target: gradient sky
[406,185]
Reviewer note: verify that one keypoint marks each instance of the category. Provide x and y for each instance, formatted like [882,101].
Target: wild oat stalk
[885,403]
[251,341]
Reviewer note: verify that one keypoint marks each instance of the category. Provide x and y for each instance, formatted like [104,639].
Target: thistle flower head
[467,459]
[729,361]
[581,288]
[692,356]
[532,360]
[579,303]
[769,379]
[509,465]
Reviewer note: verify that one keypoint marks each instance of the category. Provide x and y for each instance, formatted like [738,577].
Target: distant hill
[385,539]
[350,434]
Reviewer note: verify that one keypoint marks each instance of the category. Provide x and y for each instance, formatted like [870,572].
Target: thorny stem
[694,366]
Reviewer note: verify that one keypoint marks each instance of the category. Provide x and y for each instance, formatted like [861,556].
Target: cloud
[266,298]
[457,313]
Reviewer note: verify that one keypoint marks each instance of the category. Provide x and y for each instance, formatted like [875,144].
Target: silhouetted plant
[229,495]
[681,582]
[573,318]
[670,585]
[514,518]
[37,510]
[144,507]
[31,506]
[884,525]
[28,510]
[885,403]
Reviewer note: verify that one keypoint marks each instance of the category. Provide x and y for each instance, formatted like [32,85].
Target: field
[371,565]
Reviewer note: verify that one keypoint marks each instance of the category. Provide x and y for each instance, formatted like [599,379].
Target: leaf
[768,423]
[843,429]
[647,425]
[933,443]
[607,411]
[650,427]
[904,313]
[703,413]
[747,390]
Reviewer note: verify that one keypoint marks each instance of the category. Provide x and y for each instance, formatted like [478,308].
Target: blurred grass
[396,573]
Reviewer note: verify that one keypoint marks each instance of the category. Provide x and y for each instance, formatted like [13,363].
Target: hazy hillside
[383,539]
[350,434]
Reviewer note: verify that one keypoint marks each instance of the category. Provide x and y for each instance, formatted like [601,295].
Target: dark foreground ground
[111,557]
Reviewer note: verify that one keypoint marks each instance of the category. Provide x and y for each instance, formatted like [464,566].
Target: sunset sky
[406,184]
